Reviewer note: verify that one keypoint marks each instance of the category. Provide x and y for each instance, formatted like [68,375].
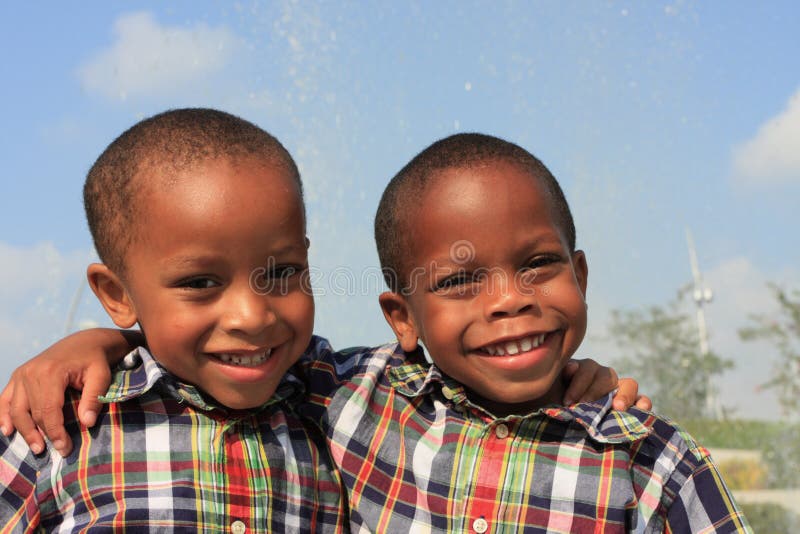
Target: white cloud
[772,157]
[41,284]
[38,268]
[740,290]
[147,58]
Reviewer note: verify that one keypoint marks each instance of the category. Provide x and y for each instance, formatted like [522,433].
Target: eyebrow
[208,259]
[191,261]
[539,240]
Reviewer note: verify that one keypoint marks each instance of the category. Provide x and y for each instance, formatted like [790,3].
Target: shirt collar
[139,372]
[412,376]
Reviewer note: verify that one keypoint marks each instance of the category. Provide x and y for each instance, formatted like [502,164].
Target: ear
[581,269]
[112,294]
[395,310]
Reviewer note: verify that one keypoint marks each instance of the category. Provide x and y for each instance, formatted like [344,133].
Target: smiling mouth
[514,346]
[242,360]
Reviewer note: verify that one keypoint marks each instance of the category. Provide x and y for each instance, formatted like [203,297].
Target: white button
[131,361]
[480,525]
[501,431]
[238,527]
[447,392]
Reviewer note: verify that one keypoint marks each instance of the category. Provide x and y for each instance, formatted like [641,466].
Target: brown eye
[200,283]
[281,272]
[542,261]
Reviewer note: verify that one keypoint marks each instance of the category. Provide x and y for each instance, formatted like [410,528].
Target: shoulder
[670,458]
[348,363]
[651,438]
[668,438]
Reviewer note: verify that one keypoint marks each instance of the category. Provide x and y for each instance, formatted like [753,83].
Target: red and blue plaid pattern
[164,458]
[416,455]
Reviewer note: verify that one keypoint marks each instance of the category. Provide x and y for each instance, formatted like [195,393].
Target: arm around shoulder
[34,396]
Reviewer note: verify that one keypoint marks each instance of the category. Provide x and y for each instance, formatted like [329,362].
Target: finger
[605,381]
[96,380]
[626,393]
[44,393]
[570,369]
[6,427]
[50,420]
[643,402]
[582,378]
[20,413]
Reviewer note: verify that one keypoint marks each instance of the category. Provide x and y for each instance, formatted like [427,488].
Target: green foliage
[783,331]
[772,518]
[782,456]
[779,443]
[660,348]
[743,474]
[733,433]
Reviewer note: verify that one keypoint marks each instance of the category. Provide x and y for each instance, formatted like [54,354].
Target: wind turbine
[702,295]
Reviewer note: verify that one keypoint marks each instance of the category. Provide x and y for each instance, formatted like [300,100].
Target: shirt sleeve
[704,503]
[19,469]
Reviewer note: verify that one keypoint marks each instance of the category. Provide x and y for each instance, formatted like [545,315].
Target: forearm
[114,344]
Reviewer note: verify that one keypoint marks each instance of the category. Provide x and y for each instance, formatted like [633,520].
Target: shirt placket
[485,493]
[238,474]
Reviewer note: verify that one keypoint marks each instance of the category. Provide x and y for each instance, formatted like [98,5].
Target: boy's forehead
[218,184]
[222,172]
[487,183]
[456,201]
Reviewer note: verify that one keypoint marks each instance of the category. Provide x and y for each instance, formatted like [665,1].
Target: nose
[508,297]
[246,311]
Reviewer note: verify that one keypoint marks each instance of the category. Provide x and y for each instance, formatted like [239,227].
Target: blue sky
[655,116]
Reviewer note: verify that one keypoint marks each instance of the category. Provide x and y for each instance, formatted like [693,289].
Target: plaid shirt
[164,458]
[416,455]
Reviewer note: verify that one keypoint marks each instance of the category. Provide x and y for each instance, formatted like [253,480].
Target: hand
[33,401]
[589,381]
[628,391]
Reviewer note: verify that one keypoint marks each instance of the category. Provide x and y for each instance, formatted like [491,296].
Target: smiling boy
[201,430]
[477,244]
[506,318]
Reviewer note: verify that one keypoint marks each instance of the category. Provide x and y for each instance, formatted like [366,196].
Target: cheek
[298,310]
[175,325]
[442,324]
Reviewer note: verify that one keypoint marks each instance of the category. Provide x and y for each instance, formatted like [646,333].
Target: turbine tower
[702,295]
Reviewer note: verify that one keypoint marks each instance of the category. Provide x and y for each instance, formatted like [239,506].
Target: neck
[554,395]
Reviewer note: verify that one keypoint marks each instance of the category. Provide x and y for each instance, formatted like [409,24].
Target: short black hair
[161,147]
[465,150]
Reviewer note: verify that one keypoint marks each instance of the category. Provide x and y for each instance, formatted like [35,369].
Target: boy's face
[501,305]
[217,277]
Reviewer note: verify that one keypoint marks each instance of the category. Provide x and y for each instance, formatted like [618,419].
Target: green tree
[660,348]
[782,330]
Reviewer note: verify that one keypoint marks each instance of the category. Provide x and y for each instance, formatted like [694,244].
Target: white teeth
[511,348]
[245,361]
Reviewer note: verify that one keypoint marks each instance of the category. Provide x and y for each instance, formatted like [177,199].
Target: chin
[239,403]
